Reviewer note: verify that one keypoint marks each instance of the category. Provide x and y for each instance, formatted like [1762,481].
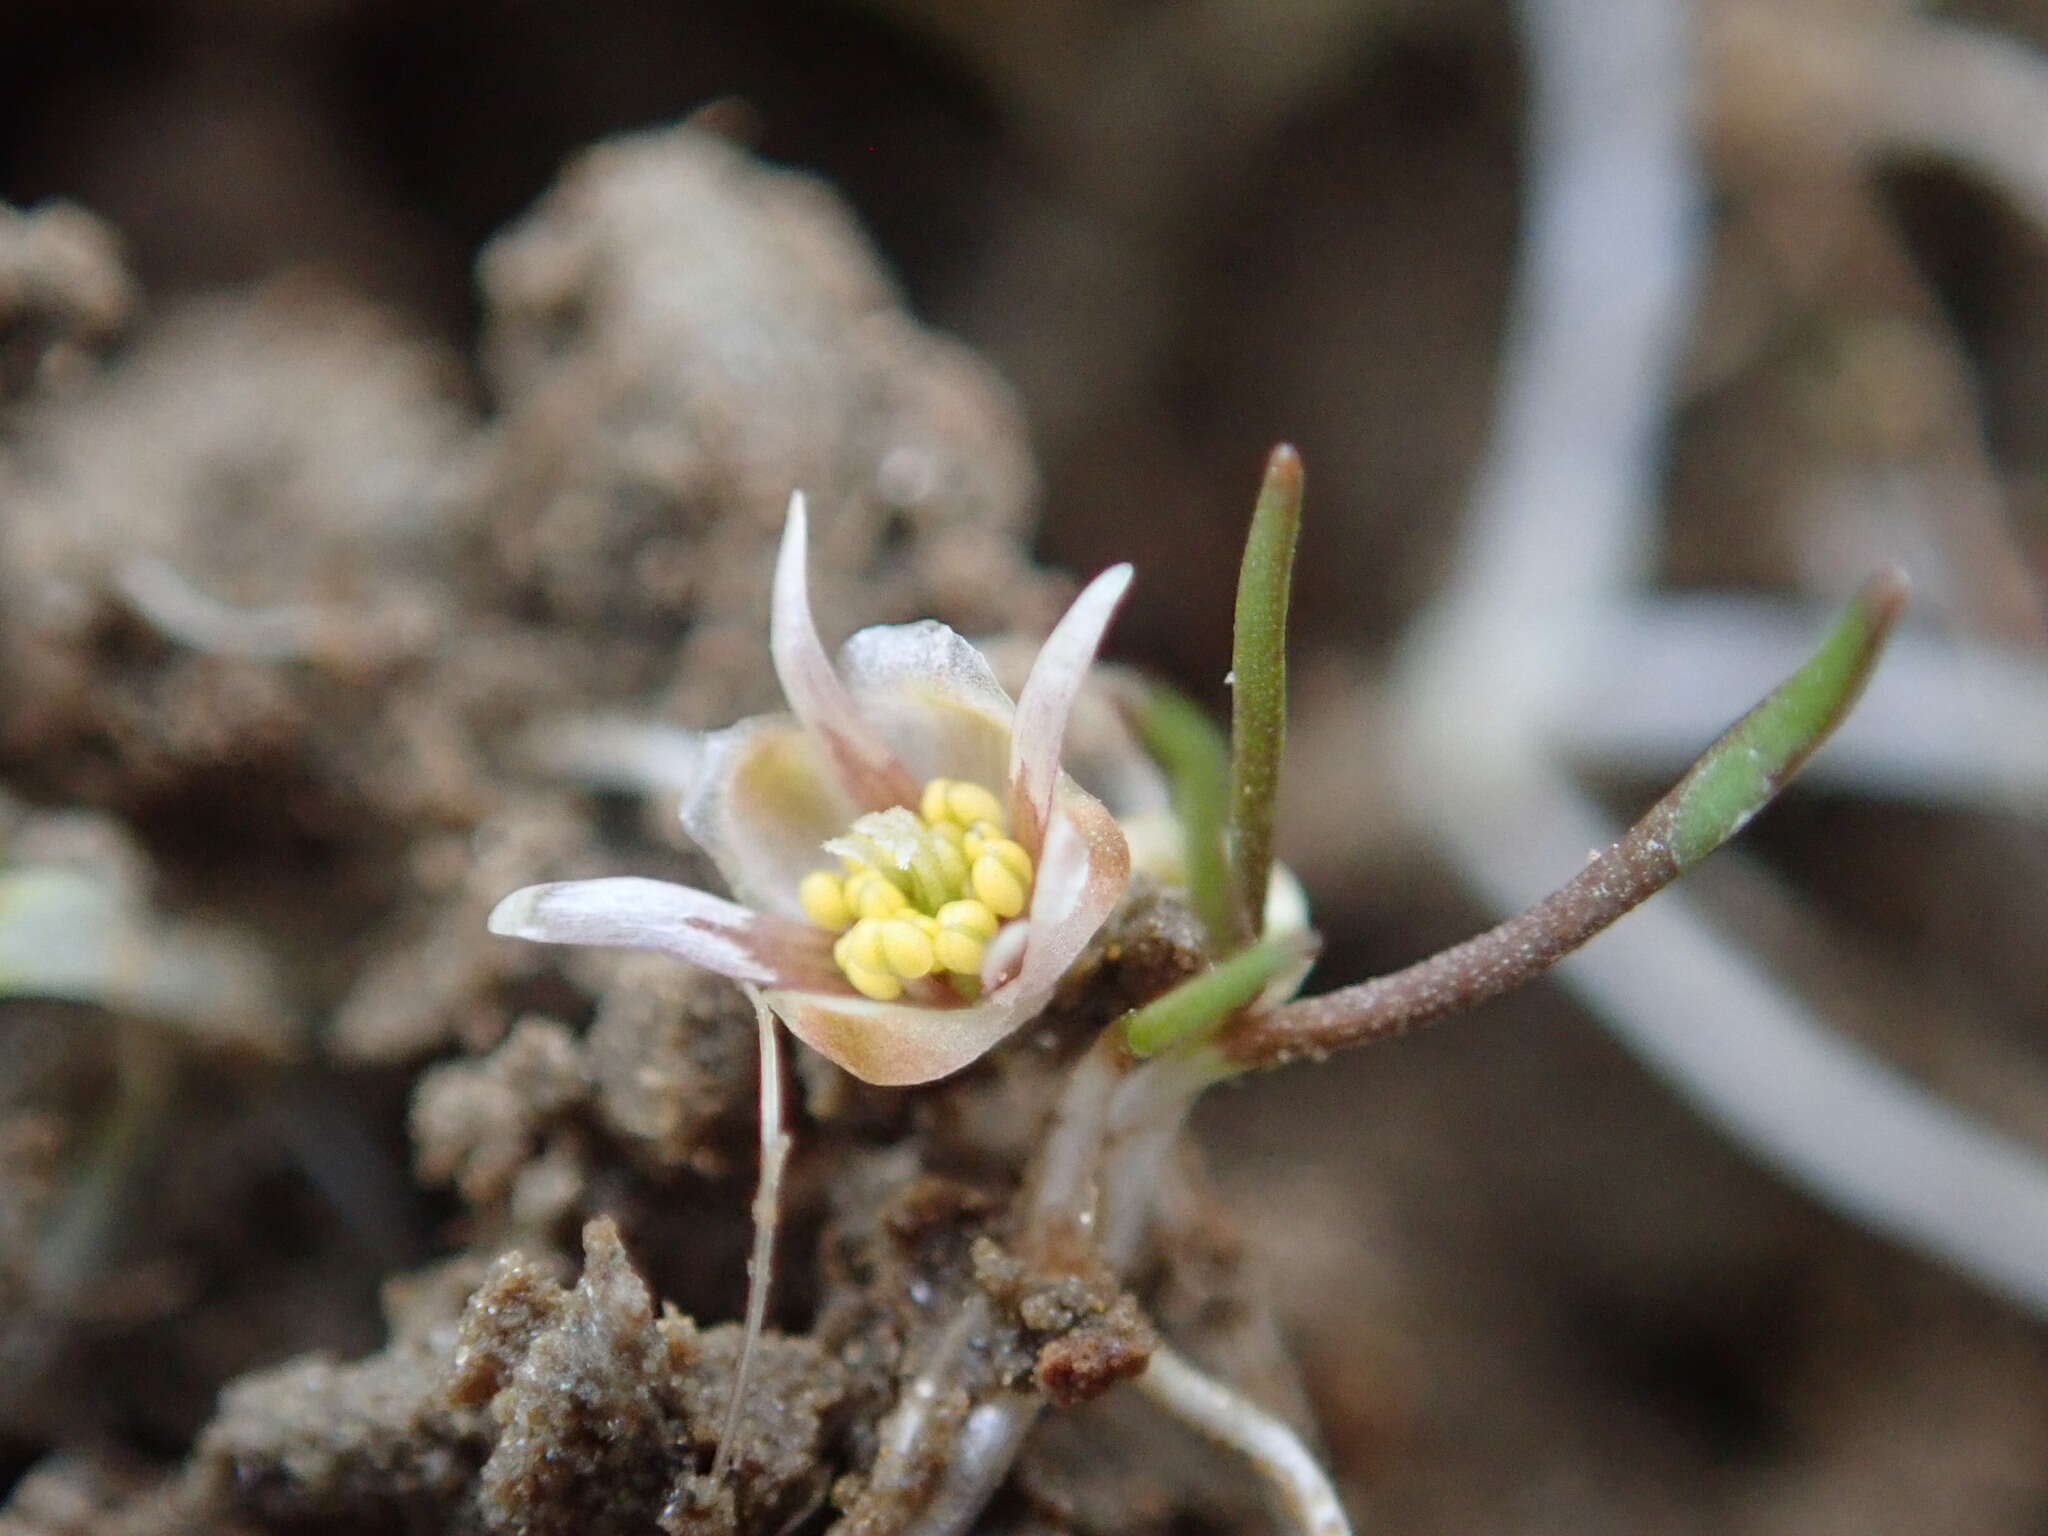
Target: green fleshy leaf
[1761,751]
[1258,712]
[1202,1004]
[1195,758]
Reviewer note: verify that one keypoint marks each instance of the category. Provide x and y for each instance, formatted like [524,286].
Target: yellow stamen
[860,948]
[879,985]
[920,892]
[965,927]
[870,893]
[823,895]
[907,948]
[968,803]
[1001,876]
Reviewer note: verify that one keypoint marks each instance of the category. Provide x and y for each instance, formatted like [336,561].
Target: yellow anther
[964,929]
[870,893]
[860,948]
[823,895]
[960,802]
[968,803]
[1010,855]
[979,836]
[1001,877]
[879,985]
[906,948]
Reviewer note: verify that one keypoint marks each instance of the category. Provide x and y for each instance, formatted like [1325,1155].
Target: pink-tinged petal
[873,776]
[630,913]
[897,1045]
[894,1045]
[933,698]
[1056,677]
[765,801]
[1082,872]
[1101,751]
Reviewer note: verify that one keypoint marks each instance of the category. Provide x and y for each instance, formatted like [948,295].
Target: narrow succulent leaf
[1195,757]
[1258,712]
[1760,753]
[1200,1005]
[1048,697]
[1738,775]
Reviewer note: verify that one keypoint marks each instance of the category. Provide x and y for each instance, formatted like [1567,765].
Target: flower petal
[1101,751]
[932,696]
[894,1045]
[764,804]
[1041,720]
[1082,873]
[873,776]
[631,913]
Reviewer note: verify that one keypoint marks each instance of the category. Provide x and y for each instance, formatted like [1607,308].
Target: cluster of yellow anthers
[920,893]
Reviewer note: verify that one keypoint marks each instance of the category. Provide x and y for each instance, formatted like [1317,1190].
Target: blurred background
[1532,1288]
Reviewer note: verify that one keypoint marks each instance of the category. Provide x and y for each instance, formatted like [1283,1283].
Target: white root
[1233,1420]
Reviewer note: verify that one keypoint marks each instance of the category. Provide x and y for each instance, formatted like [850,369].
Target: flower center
[920,893]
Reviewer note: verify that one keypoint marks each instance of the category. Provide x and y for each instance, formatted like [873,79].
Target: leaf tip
[1280,488]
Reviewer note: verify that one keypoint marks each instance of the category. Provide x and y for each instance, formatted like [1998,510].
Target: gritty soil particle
[64,295]
[1088,1334]
[476,1123]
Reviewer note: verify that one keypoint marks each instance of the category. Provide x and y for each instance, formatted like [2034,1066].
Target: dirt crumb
[672,1061]
[476,1123]
[1080,1365]
[64,294]
[94,1494]
[585,1431]
[1087,1334]
[606,1416]
[319,1443]
[680,336]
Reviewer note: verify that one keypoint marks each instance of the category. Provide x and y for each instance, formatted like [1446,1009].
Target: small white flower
[914,872]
